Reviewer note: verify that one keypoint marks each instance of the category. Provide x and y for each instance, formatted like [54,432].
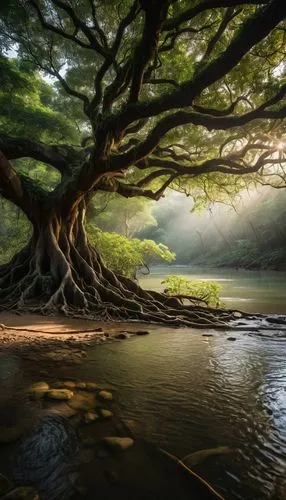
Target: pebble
[105,395]
[105,413]
[90,417]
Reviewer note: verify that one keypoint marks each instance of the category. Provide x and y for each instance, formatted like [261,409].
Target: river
[186,391]
[251,291]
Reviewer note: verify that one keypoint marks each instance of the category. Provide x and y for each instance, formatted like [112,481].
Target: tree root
[68,277]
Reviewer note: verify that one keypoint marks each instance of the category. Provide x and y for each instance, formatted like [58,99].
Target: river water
[187,392]
[251,291]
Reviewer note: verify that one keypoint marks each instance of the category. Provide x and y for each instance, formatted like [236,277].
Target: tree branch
[58,156]
[253,31]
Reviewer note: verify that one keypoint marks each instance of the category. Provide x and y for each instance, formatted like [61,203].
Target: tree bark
[59,271]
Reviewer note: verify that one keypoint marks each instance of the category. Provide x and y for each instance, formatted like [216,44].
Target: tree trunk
[60,271]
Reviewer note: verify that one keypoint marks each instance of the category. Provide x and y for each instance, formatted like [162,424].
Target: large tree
[164,94]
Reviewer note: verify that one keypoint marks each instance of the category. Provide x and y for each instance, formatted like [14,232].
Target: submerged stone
[118,443]
[82,401]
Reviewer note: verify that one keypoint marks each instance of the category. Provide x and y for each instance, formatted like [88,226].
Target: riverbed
[186,392]
[251,291]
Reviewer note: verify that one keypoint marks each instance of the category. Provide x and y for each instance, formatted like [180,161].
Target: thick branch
[183,118]
[191,13]
[252,32]
[58,156]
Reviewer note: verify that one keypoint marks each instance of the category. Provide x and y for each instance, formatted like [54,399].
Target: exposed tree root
[60,272]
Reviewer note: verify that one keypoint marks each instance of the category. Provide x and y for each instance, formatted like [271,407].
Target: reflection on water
[252,291]
[190,392]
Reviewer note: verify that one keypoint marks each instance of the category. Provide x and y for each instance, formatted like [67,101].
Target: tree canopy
[153,94]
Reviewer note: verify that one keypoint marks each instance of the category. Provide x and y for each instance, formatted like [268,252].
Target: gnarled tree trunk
[60,271]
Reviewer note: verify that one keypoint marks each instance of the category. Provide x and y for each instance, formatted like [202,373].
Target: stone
[38,390]
[90,417]
[105,395]
[61,408]
[231,338]
[105,413]
[22,493]
[118,443]
[60,394]
[69,384]
[237,314]
[82,401]
[91,386]
[81,385]
[121,336]
[5,485]
[142,332]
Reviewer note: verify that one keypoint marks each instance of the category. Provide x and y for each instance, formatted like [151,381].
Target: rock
[91,386]
[90,417]
[82,401]
[69,384]
[142,332]
[105,413]
[231,338]
[60,394]
[38,390]
[22,493]
[121,336]
[81,385]
[61,408]
[5,485]
[237,314]
[10,434]
[105,395]
[118,443]
[2,327]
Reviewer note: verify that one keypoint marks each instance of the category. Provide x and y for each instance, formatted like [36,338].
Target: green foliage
[27,107]
[14,231]
[125,256]
[209,291]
